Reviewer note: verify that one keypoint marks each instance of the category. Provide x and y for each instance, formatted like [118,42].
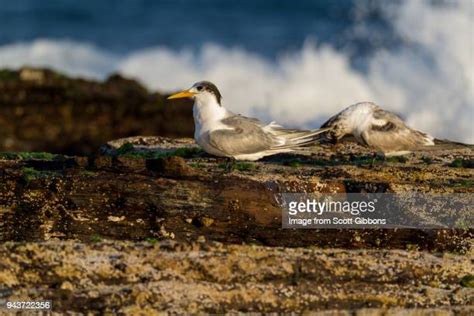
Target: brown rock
[173,167]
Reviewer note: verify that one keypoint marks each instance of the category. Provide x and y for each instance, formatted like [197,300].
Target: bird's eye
[199,88]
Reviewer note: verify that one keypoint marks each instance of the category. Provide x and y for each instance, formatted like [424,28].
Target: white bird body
[221,132]
[207,119]
[376,128]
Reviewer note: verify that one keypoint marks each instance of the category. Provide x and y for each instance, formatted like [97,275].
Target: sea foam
[429,79]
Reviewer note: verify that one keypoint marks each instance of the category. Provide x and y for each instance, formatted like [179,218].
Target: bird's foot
[227,165]
[377,156]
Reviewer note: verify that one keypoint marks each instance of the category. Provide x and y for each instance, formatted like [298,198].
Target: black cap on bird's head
[198,88]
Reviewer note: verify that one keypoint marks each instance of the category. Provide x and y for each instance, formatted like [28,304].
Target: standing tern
[223,133]
[379,129]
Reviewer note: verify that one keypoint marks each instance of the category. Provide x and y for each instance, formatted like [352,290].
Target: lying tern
[379,129]
[223,133]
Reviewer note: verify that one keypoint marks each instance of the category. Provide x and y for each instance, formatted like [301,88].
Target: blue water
[297,62]
[267,27]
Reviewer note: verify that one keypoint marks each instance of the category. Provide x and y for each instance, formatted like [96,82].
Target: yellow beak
[182,94]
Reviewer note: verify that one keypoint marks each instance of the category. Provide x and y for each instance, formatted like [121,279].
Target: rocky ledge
[153,223]
[42,110]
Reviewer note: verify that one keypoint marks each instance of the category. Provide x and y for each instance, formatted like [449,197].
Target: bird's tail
[446,144]
[299,138]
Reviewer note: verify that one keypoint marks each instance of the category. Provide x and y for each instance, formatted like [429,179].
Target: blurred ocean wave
[413,57]
[267,27]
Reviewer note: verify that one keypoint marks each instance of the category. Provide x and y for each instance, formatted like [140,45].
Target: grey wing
[337,130]
[389,117]
[331,121]
[392,134]
[246,137]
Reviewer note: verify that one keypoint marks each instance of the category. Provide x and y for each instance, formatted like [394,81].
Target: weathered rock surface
[126,277]
[41,110]
[156,224]
[138,195]
[148,224]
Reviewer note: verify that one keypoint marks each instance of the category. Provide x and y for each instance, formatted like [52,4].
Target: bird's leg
[229,164]
[372,162]
[376,155]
